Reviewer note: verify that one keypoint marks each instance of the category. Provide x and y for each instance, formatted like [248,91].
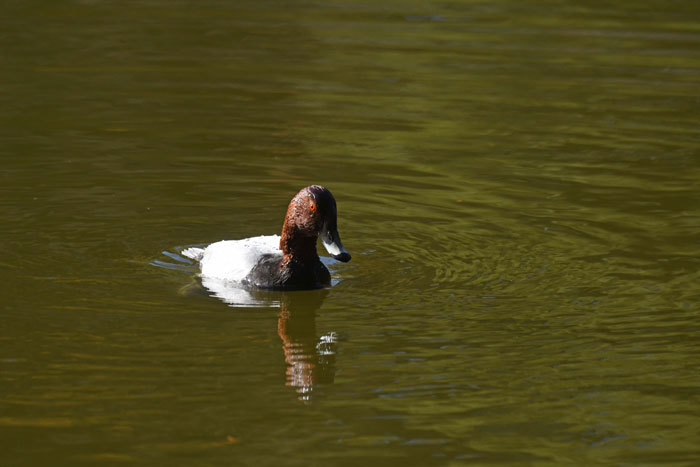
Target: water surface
[518,185]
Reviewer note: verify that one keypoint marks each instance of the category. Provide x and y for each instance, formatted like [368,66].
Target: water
[517,184]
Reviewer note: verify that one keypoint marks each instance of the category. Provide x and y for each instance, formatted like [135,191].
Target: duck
[280,262]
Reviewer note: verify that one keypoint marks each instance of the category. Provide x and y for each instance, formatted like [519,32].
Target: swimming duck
[287,262]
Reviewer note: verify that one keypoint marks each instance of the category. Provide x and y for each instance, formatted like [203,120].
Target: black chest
[270,273]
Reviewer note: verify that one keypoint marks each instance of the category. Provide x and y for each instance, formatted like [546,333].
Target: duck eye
[312,206]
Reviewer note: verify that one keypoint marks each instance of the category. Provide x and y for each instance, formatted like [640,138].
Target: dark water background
[518,183]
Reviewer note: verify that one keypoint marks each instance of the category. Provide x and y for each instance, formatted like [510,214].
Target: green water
[518,184]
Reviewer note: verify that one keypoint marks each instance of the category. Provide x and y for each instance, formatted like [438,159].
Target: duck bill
[331,241]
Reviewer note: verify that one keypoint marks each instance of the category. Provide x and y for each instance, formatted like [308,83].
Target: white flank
[232,260]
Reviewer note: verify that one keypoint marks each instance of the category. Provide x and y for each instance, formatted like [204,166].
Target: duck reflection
[310,359]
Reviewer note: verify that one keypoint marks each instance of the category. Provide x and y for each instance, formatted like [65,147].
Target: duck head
[312,213]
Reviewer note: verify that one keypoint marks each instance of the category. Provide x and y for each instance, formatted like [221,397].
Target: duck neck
[297,249]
